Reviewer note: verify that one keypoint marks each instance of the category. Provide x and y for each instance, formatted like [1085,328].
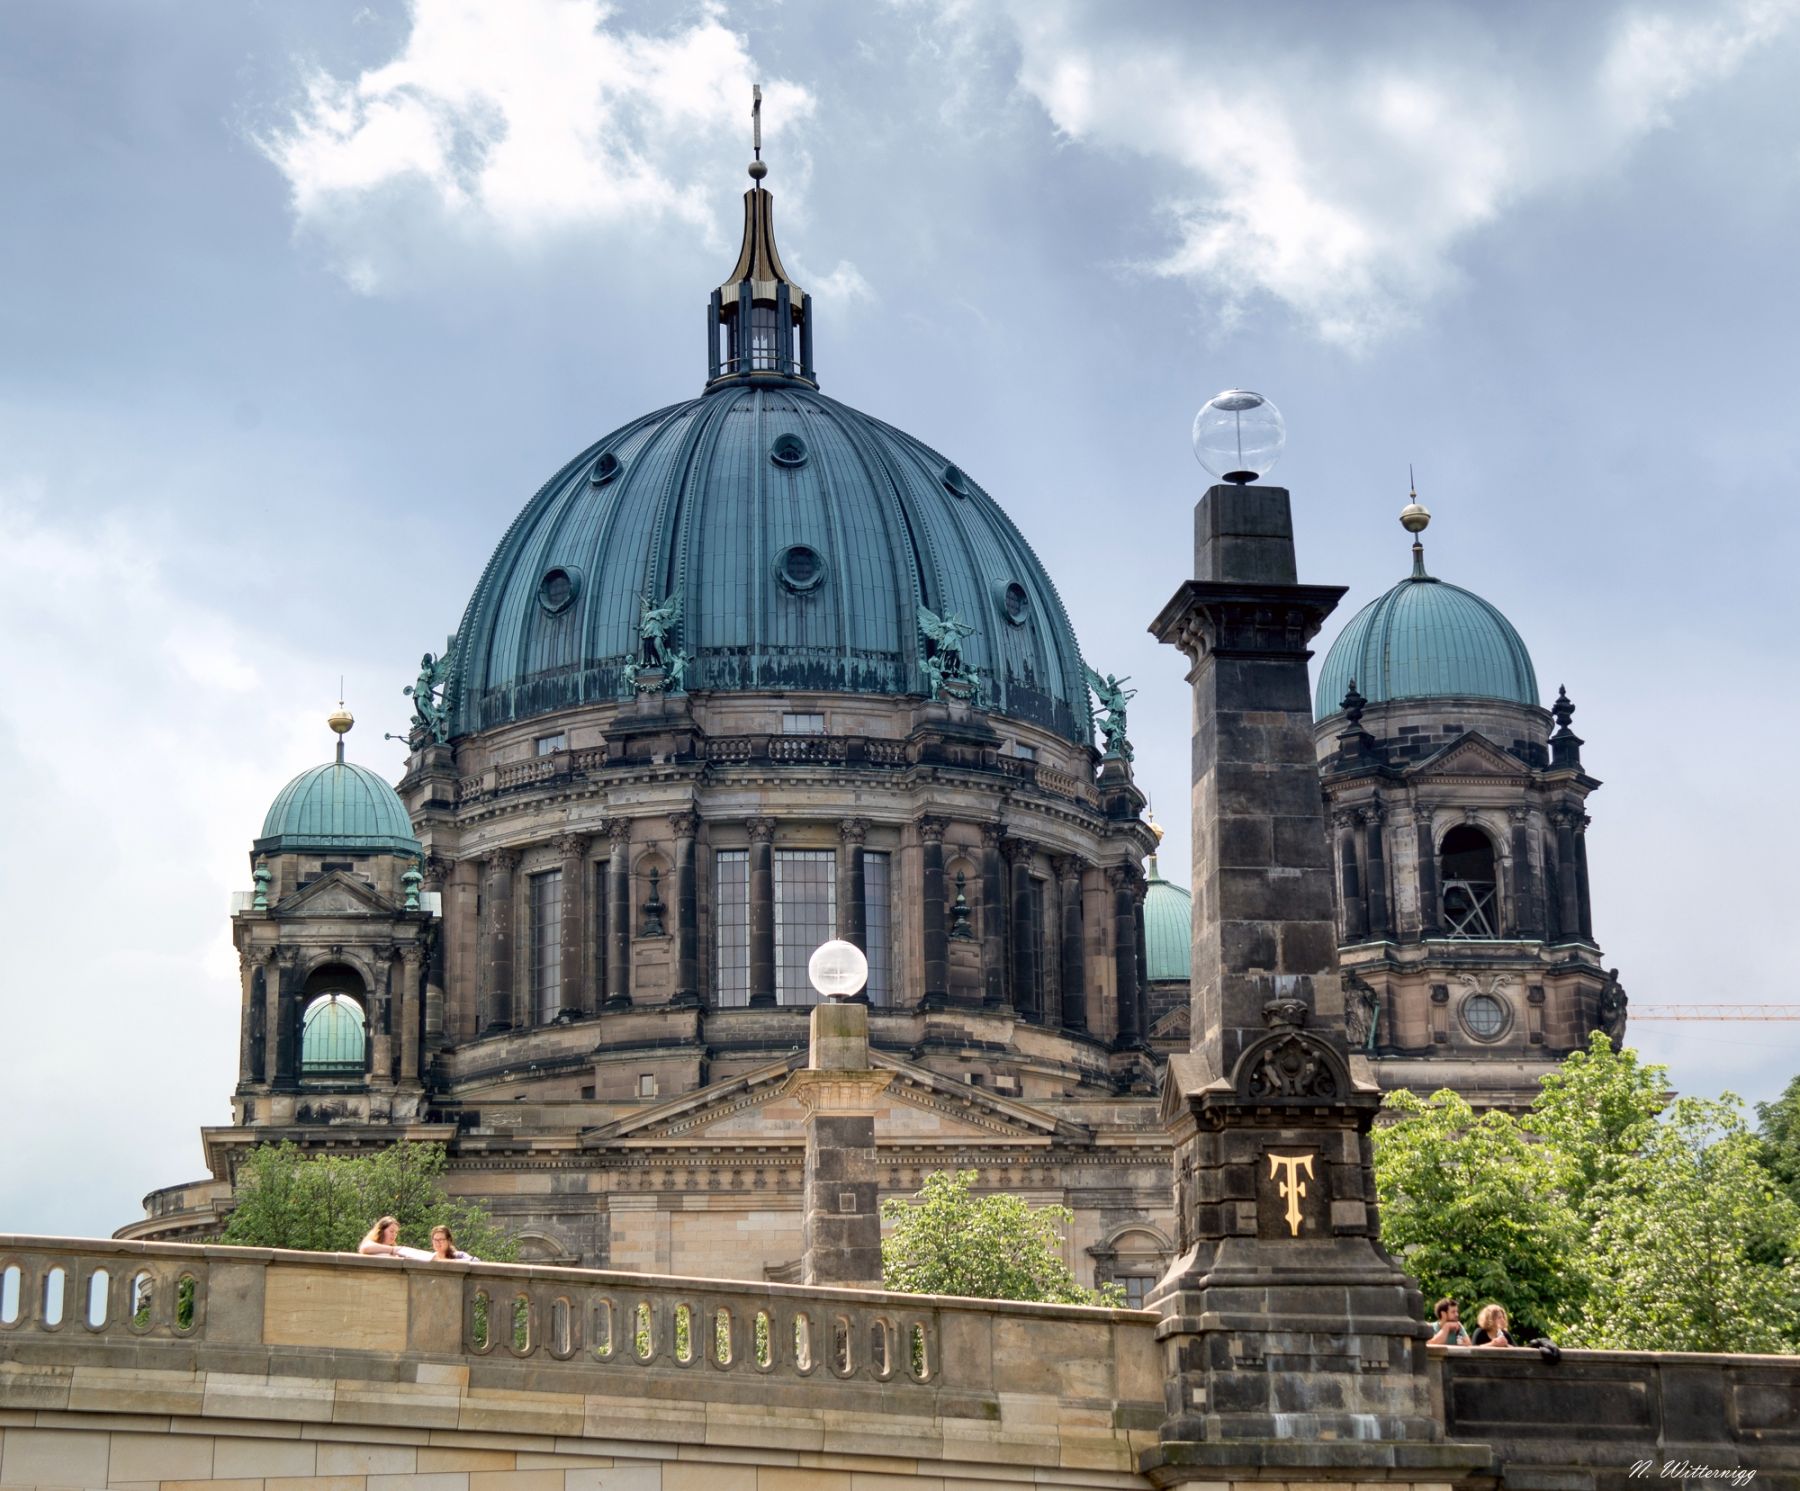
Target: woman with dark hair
[444,1248]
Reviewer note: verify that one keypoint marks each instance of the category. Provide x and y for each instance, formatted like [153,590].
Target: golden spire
[340,720]
[1415,517]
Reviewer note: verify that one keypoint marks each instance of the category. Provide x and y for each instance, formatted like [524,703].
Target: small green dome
[331,1038]
[337,806]
[1168,929]
[1426,639]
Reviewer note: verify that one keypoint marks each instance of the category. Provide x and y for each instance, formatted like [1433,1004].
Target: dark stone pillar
[1125,965]
[1430,897]
[285,1031]
[993,917]
[437,876]
[1356,909]
[497,965]
[841,1189]
[1568,883]
[1074,946]
[250,1056]
[1139,888]
[852,892]
[576,993]
[686,828]
[1291,1341]
[935,949]
[1028,983]
[1528,900]
[618,915]
[412,972]
[1584,906]
[762,911]
[1381,925]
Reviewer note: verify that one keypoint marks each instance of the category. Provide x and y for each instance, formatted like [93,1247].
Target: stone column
[1584,907]
[1381,926]
[1356,908]
[839,1092]
[1430,897]
[250,1019]
[284,1019]
[1139,889]
[1125,967]
[618,915]
[1528,901]
[1074,943]
[852,897]
[437,874]
[762,911]
[934,939]
[497,954]
[380,1032]
[412,968]
[1293,1346]
[993,918]
[1028,983]
[1568,885]
[686,828]
[575,994]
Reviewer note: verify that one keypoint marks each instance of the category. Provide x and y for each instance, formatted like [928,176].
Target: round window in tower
[800,568]
[557,590]
[1485,1016]
[1015,603]
[788,450]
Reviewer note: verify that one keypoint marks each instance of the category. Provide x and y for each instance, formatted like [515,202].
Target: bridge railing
[100,1289]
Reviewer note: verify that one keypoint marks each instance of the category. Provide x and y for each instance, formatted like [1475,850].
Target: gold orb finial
[1156,829]
[340,720]
[1415,517]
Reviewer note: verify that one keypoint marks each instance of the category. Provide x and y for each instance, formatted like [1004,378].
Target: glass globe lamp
[837,969]
[1238,435]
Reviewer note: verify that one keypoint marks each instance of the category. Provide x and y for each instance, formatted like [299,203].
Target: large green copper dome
[337,807]
[1168,928]
[1426,639]
[801,538]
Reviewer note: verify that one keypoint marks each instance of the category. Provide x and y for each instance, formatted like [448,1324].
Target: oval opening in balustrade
[480,1336]
[187,1296]
[562,1329]
[140,1294]
[881,1349]
[803,1357]
[99,1296]
[921,1358]
[761,1338]
[643,1334]
[684,1334]
[842,1362]
[600,1313]
[10,1281]
[50,1315]
[521,1326]
[723,1352]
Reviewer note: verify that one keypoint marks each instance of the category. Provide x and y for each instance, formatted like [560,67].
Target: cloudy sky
[300,301]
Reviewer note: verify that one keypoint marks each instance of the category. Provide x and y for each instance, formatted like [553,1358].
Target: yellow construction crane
[1713,1012]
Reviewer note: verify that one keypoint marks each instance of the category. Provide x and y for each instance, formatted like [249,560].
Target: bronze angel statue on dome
[1112,696]
[944,666]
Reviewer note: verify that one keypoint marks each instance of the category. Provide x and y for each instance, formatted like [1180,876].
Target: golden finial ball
[1414,517]
[1156,829]
[758,170]
[340,720]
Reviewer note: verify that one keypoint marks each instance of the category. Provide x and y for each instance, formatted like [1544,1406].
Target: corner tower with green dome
[1457,805]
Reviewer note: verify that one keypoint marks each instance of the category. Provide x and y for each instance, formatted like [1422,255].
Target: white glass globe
[837,969]
[1238,435]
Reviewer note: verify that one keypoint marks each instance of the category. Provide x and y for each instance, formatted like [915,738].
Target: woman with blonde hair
[383,1241]
[1491,1326]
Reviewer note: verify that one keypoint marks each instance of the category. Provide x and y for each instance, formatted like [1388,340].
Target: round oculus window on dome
[558,589]
[788,450]
[1485,1016]
[955,482]
[1015,602]
[800,568]
[605,469]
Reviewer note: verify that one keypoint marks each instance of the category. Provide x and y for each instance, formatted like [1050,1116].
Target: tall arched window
[1468,883]
[332,1037]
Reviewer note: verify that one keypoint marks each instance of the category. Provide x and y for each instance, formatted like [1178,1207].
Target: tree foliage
[948,1240]
[327,1204]
[1778,1125]
[1601,1218]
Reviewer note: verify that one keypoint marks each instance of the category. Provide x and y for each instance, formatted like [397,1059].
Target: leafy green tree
[1778,1124]
[1472,1208]
[948,1240]
[327,1204]
[1682,1236]
[1595,1113]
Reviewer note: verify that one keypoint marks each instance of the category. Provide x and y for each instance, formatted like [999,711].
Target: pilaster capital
[853,832]
[761,830]
[1423,812]
[1345,817]
[618,831]
[285,958]
[437,871]
[504,860]
[1123,877]
[1068,867]
[992,834]
[572,846]
[1519,816]
[1018,851]
[931,828]
[684,825]
[411,955]
[381,952]
[1562,817]
[249,960]
[1370,815]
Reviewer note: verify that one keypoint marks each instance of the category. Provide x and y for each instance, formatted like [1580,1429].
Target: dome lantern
[759,322]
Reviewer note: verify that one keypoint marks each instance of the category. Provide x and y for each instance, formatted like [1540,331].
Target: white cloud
[1340,181]
[518,118]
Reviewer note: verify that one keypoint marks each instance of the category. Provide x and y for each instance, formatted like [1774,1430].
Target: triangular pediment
[336,893]
[1471,755]
[918,1106]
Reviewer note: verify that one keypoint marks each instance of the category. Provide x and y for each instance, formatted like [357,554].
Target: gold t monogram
[1292,1189]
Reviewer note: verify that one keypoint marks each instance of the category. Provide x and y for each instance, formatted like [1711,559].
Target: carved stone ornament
[684,825]
[931,830]
[853,831]
[992,834]
[761,830]
[1292,1066]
